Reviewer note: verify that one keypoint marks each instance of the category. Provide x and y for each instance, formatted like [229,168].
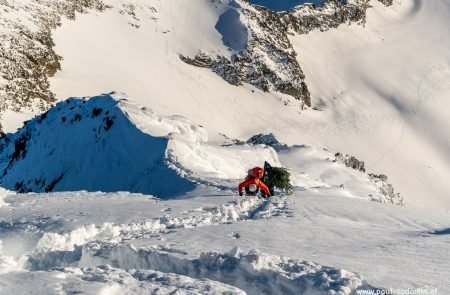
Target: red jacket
[256,181]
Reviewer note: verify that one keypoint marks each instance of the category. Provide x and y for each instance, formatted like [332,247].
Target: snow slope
[107,143]
[198,236]
[150,69]
[207,240]
[122,242]
[383,90]
[368,83]
[81,242]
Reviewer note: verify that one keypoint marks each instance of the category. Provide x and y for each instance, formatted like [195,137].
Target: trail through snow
[106,250]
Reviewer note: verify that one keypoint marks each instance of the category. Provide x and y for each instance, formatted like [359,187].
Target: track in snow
[236,211]
[101,252]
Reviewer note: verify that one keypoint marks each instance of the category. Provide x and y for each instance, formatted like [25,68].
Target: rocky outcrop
[27,56]
[386,189]
[267,139]
[269,61]
[350,162]
[332,14]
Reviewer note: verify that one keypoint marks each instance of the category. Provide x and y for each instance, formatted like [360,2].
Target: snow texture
[102,255]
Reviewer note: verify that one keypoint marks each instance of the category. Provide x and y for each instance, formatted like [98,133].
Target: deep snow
[88,240]
[149,243]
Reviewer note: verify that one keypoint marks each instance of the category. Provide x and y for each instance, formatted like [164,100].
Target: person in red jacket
[253,183]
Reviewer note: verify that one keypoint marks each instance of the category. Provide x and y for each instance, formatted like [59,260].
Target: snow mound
[106,143]
[90,144]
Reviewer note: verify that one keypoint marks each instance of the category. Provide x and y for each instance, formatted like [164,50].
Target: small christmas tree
[278,177]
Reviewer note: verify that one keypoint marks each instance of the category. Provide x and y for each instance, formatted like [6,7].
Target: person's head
[258,172]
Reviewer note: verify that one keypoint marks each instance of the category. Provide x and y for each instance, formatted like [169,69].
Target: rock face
[331,14]
[269,62]
[27,58]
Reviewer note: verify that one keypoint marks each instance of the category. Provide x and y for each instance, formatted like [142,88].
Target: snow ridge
[253,272]
[83,144]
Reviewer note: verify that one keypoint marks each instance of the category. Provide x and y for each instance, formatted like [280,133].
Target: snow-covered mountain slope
[383,90]
[107,143]
[150,37]
[87,145]
[120,242]
[361,121]
[253,46]
[239,71]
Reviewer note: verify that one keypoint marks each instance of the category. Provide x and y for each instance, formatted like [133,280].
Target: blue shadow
[88,145]
[283,5]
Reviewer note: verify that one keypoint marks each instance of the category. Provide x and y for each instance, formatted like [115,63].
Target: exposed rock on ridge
[269,60]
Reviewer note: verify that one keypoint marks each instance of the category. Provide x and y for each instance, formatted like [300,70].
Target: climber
[253,183]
